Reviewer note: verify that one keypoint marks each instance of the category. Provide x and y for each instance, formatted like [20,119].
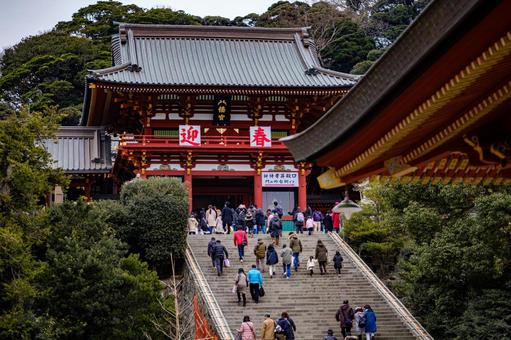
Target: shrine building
[208,105]
[434,109]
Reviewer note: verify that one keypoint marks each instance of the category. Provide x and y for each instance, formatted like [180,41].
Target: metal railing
[383,290]
[217,316]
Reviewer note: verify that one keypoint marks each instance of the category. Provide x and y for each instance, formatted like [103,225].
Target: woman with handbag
[246,331]
[240,286]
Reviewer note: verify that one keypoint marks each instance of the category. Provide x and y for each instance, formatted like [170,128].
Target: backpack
[300,217]
[316,216]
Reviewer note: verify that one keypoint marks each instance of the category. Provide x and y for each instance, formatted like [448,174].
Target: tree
[25,179]
[155,213]
[48,70]
[94,291]
[97,21]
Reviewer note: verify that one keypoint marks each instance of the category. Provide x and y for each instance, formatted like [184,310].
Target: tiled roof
[217,56]
[80,150]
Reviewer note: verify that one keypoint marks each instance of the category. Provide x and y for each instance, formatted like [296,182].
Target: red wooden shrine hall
[208,105]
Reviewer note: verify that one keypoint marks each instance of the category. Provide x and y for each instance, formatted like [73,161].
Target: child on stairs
[310,265]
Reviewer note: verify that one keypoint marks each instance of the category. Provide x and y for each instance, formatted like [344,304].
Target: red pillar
[302,190]
[188,184]
[258,190]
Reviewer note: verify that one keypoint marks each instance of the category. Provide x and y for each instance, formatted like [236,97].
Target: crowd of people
[254,220]
[354,323]
[244,223]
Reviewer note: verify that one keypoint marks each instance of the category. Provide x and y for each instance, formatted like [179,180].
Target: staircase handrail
[217,316]
[417,329]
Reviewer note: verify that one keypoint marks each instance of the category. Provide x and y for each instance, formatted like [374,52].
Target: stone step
[311,301]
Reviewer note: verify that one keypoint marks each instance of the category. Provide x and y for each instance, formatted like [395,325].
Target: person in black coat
[260,220]
[211,250]
[218,252]
[227,217]
[328,222]
[338,262]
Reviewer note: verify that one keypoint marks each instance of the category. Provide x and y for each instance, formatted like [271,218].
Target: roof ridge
[158,30]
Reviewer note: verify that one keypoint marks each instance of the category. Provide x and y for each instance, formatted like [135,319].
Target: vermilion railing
[206,141]
[202,329]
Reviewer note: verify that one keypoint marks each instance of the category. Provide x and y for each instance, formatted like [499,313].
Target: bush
[94,291]
[153,219]
[362,67]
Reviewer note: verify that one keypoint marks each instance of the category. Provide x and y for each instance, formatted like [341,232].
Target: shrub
[155,213]
[94,291]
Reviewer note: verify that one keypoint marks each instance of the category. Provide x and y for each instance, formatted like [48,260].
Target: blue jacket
[254,276]
[370,319]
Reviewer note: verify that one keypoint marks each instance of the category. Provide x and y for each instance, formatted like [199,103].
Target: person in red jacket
[240,241]
[336,220]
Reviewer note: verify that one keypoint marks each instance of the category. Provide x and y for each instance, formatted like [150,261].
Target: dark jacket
[219,251]
[271,256]
[211,246]
[275,226]
[328,222]
[260,218]
[370,319]
[338,261]
[227,215]
[321,253]
[240,221]
[345,315]
[330,337]
[289,328]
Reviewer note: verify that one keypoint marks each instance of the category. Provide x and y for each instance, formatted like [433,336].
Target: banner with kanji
[189,135]
[274,179]
[260,136]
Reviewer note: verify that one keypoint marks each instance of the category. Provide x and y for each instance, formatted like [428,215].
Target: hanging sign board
[189,135]
[260,136]
[222,111]
[283,179]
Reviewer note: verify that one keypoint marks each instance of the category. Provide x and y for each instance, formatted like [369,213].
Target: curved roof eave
[381,78]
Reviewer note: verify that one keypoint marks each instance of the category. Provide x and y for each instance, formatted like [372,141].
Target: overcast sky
[21,18]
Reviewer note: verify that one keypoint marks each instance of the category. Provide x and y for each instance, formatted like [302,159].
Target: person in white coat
[211,216]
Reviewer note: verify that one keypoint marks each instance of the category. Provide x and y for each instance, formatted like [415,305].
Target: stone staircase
[310,301]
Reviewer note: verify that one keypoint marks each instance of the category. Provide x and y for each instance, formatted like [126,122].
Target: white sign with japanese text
[280,179]
[260,136]
[189,135]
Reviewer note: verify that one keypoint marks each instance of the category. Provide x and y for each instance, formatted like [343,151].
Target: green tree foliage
[25,179]
[362,67]
[49,70]
[25,171]
[454,251]
[63,274]
[97,21]
[93,290]
[151,218]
